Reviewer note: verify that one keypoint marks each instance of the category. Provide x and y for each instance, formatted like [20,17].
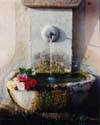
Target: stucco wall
[14,40]
[86,36]
[92,34]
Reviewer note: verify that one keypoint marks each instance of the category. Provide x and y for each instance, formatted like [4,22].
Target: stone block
[52,3]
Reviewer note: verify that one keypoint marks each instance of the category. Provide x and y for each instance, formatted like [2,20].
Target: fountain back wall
[62,19]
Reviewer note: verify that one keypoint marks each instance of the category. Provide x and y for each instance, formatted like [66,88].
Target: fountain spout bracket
[50,33]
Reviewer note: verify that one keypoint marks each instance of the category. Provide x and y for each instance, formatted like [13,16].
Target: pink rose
[22,77]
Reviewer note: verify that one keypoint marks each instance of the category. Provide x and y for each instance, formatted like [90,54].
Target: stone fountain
[51,53]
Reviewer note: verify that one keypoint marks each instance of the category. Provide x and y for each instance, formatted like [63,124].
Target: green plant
[29,72]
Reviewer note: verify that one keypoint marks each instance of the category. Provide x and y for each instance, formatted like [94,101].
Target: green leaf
[22,70]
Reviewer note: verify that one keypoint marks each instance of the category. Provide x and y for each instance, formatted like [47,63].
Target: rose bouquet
[23,80]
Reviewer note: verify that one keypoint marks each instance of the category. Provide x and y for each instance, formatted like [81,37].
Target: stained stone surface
[52,3]
[61,49]
[54,99]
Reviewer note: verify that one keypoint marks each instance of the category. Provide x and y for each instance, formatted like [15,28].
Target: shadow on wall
[84,23]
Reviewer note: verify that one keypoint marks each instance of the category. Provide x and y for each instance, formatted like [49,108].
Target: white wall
[92,35]
[14,40]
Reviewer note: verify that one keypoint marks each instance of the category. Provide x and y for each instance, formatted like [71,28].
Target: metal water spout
[50,32]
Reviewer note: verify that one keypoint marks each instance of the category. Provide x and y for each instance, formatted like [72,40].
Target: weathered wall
[14,40]
[39,19]
[86,36]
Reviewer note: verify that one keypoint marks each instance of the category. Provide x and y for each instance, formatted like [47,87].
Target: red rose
[30,83]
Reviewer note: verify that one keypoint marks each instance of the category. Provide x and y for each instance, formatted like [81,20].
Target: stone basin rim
[91,79]
[64,85]
[68,84]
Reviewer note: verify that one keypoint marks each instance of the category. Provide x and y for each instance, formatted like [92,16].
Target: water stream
[51,79]
[51,59]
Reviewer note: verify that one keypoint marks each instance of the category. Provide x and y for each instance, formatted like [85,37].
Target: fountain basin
[54,97]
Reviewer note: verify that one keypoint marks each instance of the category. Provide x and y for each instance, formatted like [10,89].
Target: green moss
[44,67]
[45,100]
